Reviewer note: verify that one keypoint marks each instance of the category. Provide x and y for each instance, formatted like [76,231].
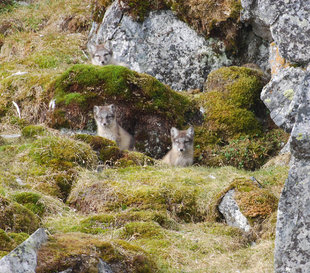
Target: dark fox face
[105,115]
[182,141]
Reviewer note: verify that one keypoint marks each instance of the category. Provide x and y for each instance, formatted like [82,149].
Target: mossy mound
[256,204]
[33,130]
[110,154]
[82,253]
[145,107]
[31,201]
[244,152]
[107,192]
[10,240]
[62,153]
[232,102]
[17,218]
[237,129]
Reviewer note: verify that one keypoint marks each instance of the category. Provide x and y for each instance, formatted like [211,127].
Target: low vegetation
[124,207]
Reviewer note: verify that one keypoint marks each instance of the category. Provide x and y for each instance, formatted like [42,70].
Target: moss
[82,251]
[33,130]
[246,152]
[83,86]
[99,8]
[141,230]
[232,100]
[62,153]
[17,218]
[5,241]
[130,158]
[257,204]
[31,201]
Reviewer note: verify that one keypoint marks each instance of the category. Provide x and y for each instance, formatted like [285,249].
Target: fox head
[182,141]
[101,55]
[105,115]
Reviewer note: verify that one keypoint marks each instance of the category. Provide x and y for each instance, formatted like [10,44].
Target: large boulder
[162,46]
[288,22]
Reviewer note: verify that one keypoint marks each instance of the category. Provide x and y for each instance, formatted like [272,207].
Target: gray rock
[281,96]
[231,212]
[103,267]
[162,46]
[287,21]
[23,259]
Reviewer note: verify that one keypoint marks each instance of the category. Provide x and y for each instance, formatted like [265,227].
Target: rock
[231,212]
[281,96]
[287,21]
[162,46]
[103,267]
[23,259]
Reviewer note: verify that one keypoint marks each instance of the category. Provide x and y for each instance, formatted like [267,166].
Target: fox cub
[182,151]
[107,127]
[102,55]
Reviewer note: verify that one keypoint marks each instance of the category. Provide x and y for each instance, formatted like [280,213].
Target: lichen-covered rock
[231,212]
[162,46]
[281,96]
[146,108]
[23,259]
[288,22]
[245,204]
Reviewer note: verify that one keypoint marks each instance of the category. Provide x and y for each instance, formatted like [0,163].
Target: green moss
[5,240]
[31,201]
[83,86]
[75,249]
[130,158]
[141,230]
[17,218]
[247,152]
[33,130]
[62,152]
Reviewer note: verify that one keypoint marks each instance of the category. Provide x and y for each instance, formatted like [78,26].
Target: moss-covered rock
[82,252]
[17,218]
[145,107]
[33,130]
[256,204]
[232,102]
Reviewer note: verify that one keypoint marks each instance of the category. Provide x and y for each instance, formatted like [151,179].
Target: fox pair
[181,153]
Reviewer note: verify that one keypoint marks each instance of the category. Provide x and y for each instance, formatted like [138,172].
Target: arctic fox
[107,127]
[102,55]
[182,151]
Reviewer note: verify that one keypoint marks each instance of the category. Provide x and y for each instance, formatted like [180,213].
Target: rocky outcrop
[287,97]
[23,259]
[162,46]
[286,22]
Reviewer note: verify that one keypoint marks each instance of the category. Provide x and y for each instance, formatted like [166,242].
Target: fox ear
[190,131]
[96,109]
[174,131]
